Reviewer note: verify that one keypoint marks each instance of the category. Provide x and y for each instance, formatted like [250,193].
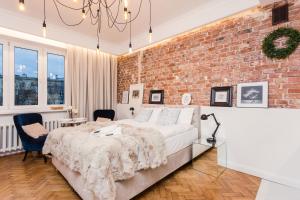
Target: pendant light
[22,5]
[44,28]
[130,44]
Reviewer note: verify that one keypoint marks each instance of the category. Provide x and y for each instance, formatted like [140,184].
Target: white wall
[261,142]
[123,111]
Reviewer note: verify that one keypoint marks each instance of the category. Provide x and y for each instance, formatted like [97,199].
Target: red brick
[228,50]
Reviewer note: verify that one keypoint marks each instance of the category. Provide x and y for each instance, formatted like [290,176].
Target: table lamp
[211,140]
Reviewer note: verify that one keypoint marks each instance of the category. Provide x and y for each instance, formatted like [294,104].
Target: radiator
[10,142]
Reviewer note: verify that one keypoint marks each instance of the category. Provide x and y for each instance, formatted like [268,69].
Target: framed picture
[156,97]
[221,96]
[136,93]
[125,97]
[253,95]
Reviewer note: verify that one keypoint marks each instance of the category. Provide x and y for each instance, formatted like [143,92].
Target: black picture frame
[156,93]
[224,103]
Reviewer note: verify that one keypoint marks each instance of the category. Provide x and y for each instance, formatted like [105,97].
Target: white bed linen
[167,131]
[181,141]
[177,136]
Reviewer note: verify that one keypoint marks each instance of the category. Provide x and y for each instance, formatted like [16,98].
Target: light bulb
[125,13]
[44,29]
[98,50]
[83,14]
[75,1]
[21,5]
[150,35]
[130,47]
[126,3]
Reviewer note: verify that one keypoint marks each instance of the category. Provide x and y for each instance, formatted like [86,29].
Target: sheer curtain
[92,80]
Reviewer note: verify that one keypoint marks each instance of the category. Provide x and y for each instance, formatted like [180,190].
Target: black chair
[29,143]
[108,113]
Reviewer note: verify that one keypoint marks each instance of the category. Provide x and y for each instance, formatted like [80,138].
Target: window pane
[56,79]
[26,76]
[1,74]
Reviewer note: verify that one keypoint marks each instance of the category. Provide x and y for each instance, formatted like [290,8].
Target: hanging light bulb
[125,13]
[44,29]
[130,47]
[126,9]
[98,49]
[150,35]
[83,14]
[21,5]
[126,3]
[75,1]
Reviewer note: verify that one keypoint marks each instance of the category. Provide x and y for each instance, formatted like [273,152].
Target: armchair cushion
[35,130]
[103,119]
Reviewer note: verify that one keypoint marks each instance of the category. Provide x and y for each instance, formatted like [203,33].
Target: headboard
[196,115]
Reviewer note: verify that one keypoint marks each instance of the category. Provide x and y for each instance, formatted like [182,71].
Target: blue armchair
[110,114]
[29,143]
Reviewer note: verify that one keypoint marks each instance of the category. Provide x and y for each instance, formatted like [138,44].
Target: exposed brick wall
[224,53]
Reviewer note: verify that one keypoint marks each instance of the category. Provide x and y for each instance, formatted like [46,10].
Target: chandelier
[96,10]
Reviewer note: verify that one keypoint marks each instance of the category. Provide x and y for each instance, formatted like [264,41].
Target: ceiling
[169,17]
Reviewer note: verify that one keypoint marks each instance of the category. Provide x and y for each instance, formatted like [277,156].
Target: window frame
[9,106]
[37,48]
[59,53]
[5,73]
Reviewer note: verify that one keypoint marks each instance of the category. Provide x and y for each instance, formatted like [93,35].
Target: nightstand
[208,159]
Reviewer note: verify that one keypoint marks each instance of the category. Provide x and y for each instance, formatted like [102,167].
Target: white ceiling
[169,17]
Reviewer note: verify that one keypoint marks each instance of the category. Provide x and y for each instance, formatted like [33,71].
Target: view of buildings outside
[55,79]
[26,76]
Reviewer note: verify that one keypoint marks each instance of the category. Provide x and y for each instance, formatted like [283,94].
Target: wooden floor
[35,180]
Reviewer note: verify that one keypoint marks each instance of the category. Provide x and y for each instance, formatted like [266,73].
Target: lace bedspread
[101,159]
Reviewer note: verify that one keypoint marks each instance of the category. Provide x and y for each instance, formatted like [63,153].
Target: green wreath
[292,43]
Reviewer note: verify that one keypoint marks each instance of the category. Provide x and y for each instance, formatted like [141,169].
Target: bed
[178,144]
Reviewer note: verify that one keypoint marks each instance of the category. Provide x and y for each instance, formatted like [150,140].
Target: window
[55,79]
[26,76]
[1,75]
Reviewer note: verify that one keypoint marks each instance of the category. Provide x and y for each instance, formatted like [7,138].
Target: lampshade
[204,117]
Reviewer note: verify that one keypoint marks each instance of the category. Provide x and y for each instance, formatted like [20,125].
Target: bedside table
[208,159]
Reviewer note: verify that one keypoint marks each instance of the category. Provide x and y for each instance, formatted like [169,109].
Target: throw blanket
[101,159]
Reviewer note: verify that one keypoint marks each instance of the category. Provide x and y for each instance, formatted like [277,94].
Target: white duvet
[167,131]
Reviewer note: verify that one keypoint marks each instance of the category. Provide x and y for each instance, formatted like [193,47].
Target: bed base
[128,189]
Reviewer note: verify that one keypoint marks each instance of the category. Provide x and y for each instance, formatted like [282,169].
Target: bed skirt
[128,189]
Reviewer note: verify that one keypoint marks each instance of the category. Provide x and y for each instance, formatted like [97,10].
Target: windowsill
[20,111]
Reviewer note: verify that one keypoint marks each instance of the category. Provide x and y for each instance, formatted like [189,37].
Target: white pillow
[144,115]
[186,116]
[168,116]
[35,130]
[155,114]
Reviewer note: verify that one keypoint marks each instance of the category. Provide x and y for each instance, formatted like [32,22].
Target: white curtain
[91,81]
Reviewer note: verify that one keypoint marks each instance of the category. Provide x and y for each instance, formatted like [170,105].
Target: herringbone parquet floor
[34,180]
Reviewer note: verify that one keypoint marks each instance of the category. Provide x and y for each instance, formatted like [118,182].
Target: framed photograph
[125,97]
[253,95]
[221,96]
[156,97]
[136,93]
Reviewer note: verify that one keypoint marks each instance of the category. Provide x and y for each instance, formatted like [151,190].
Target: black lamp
[211,140]
[132,110]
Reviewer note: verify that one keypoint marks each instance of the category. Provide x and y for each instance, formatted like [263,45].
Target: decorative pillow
[185,116]
[155,114]
[102,119]
[168,116]
[35,130]
[144,115]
